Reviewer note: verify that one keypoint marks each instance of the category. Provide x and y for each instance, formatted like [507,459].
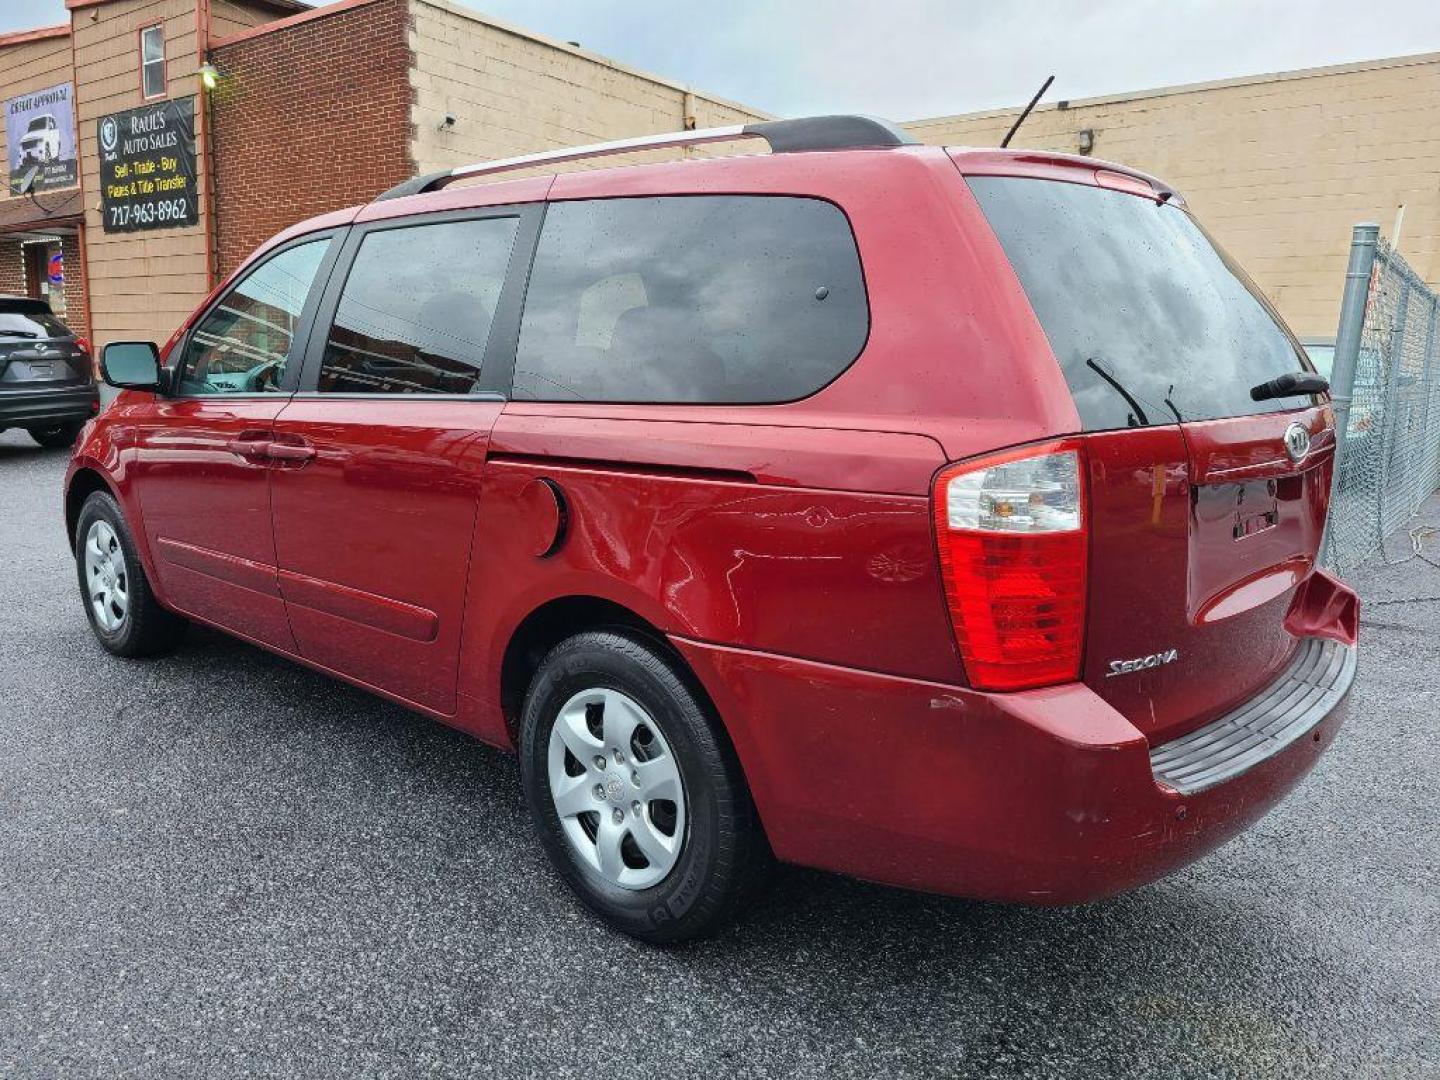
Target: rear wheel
[639,802]
[56,436]
[122,610]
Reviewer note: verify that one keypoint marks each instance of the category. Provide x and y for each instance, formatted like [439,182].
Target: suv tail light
[1012,539]
[91,366]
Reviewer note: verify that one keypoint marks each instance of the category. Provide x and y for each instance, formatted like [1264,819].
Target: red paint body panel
[1044,796]
[784,569]
[741,442]
[374,536]
[212,505]
[786,550]
[1168,572]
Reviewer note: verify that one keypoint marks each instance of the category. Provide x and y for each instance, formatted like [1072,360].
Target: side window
[415,314]
[152,61]
[735,298]
[244,344]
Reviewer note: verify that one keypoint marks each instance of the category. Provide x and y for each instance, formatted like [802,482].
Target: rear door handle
[291,452]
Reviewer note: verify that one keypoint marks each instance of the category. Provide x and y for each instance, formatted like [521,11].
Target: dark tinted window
[1138,290]
[30,321]
[416,309]
[694,298]
[243,345]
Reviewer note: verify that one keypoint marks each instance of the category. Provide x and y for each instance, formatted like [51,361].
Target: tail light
[83,344]
[1012,538]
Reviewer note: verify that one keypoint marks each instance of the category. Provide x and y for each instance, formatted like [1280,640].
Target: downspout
[84,210]
[209,220]
[687,119]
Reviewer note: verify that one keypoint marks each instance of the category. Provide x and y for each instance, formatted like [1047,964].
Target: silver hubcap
[107,582]
[617,788]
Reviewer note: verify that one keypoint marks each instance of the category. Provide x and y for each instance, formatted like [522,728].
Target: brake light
[1013,547]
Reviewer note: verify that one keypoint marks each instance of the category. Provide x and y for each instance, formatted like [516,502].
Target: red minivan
[942,517]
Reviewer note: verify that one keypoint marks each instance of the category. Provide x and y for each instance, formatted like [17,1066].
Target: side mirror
[131,365]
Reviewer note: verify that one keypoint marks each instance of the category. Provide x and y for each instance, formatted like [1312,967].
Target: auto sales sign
[147,167]
[40,139]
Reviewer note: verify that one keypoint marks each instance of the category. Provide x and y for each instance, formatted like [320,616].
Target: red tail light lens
[1011,530]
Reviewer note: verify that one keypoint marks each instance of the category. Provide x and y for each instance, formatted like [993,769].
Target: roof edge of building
[309,14]
[1411,60]
[299,6]
[39,33]
[470,13]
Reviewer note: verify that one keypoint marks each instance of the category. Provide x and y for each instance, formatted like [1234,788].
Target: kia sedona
[946,518]
[47,381]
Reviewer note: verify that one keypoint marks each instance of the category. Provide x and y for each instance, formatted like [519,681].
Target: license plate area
[35,371]
[1255,509]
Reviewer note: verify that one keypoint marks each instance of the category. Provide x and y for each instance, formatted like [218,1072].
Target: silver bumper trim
[1306,692]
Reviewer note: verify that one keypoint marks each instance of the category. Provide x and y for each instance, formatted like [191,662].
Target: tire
[596,681]
[122,609]
[56,436]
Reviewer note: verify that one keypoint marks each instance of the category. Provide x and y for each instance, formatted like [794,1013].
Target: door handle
[290,452]
[250,448]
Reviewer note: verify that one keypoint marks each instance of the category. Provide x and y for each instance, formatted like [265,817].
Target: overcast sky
[908,59]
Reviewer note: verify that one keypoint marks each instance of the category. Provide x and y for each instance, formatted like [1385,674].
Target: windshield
[31,324]
[1150,321]
[38,124]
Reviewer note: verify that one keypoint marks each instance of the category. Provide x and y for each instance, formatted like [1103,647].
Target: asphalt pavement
[219,864]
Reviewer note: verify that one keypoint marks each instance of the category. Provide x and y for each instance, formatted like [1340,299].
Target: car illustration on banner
[41,141]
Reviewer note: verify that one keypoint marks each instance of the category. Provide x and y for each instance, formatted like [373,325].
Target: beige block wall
[1278,167]
[142,284]
[515,92]
[232,16]
[25,68]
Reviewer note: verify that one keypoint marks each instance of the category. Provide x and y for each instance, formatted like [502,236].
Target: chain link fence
[1388,352]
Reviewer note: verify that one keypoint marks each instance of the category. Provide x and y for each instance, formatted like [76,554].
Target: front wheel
[638,799]
[56,436]
[123,612]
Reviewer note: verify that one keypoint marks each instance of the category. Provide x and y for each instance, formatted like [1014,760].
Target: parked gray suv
[47,382]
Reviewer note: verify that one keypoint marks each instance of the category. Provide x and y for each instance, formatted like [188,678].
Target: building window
[152,62]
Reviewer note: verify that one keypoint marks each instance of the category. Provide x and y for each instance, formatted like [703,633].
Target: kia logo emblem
[1297,442]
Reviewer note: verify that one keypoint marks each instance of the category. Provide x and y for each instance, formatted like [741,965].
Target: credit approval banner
[40,137]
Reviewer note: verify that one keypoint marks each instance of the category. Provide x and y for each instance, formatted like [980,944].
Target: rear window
[696,298]
[1150,321]
[30,322]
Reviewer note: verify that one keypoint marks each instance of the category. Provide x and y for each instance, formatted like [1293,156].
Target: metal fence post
[1363,239]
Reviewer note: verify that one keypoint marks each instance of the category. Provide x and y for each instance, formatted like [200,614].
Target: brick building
[301,111]
[282,112]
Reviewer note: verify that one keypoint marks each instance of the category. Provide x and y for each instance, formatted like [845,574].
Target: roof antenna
[1021,118]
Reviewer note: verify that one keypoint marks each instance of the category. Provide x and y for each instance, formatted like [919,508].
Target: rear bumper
[1046,796]
[62,405]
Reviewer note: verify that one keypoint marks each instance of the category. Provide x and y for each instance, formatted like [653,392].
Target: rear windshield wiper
[1137,414]
[17,333]
[1291,384]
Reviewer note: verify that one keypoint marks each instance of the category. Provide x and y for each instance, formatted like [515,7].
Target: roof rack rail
[784,137]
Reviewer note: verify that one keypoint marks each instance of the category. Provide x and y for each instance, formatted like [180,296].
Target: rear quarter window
[703,299]
[1151,322]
